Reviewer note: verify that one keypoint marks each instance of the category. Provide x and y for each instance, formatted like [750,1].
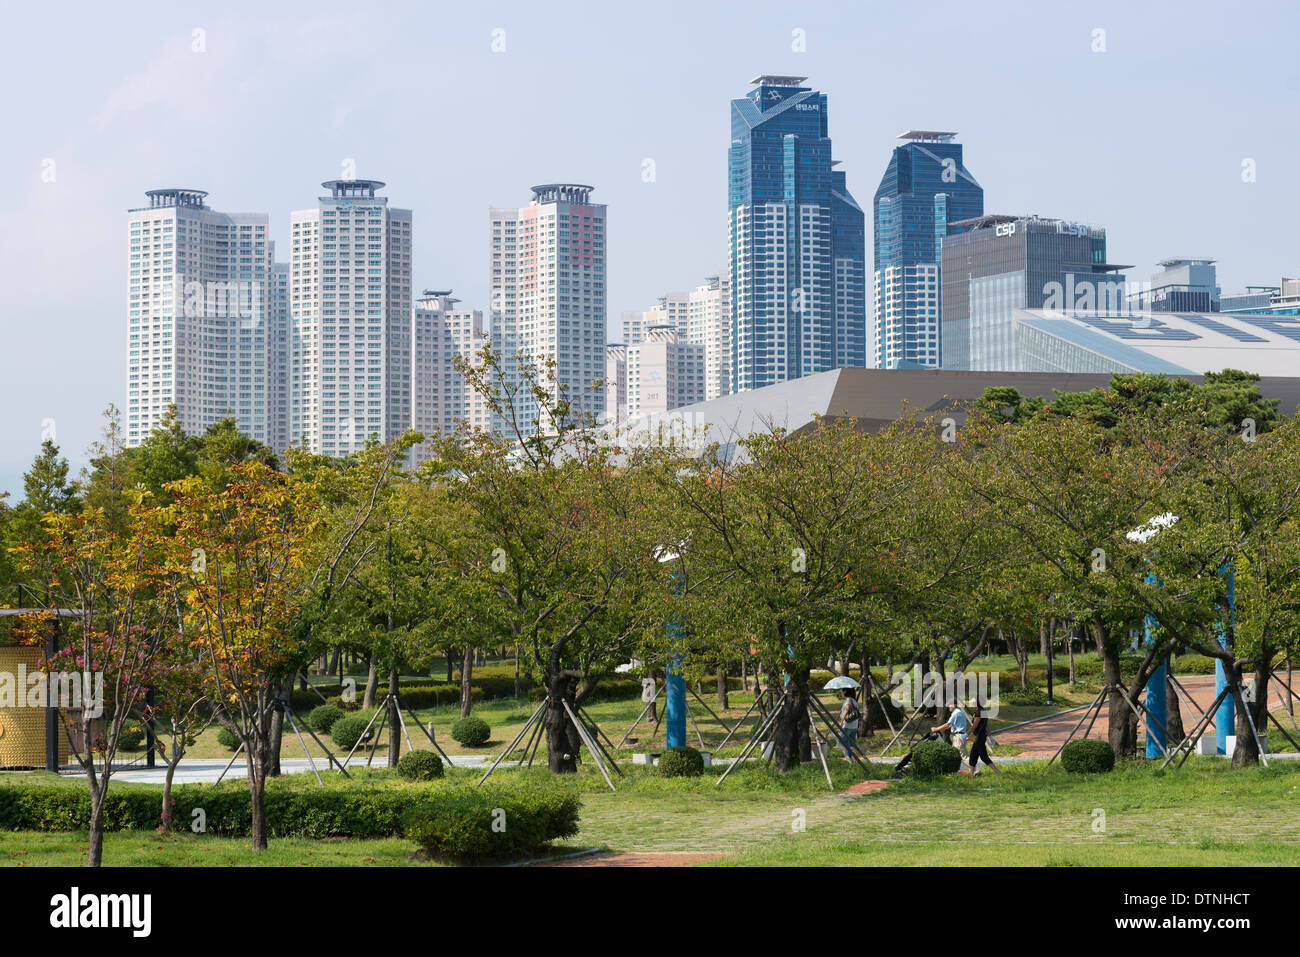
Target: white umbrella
[840,681]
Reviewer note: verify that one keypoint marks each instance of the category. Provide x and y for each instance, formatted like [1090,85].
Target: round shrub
[323,716]
[464,823]
[471,732]
[348,730]
[931,758]
[419,766]
[227,738]
[131,738]
[1088,757]
[681,762]
[1033,695]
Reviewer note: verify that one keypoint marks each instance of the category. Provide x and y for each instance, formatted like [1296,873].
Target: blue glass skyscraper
[796,241]
[926,189]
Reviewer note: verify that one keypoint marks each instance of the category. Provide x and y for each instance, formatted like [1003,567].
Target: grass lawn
[1207,814]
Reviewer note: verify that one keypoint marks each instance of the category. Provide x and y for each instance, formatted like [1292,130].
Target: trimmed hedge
[681,762]
[419,766]
[931,758]
[347,731]
[472,732]
[490,688]
[323,717]
[1088,757]
[492,822]
[455,815]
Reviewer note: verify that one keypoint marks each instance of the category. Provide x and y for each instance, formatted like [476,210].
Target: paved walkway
[199,770]
[1043,738]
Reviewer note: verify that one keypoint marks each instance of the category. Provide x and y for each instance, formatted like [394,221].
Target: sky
[1170,124]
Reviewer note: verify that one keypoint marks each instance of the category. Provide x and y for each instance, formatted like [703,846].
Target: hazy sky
[1146,138]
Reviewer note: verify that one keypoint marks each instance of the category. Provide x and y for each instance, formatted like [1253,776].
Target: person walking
[850,713]
[958,724]
[979,749]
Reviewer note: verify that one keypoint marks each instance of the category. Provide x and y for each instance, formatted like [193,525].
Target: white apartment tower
[652,373]
[616,383]
[701,345]
[548,292]
[442,398]
[350,320]
[199,317]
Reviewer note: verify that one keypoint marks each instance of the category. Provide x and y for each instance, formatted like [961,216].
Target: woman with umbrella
[849,713]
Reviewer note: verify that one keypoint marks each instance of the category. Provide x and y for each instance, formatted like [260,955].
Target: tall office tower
[925,192]
[652,364]
[548,294]
[278,360]
[443,398]
[615,383]
[198,326]
[787,229]
[997,265]
[350,319]
[1182,285]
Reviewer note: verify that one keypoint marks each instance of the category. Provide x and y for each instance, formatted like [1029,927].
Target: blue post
[675,701]
[1225,717]
[1156,703]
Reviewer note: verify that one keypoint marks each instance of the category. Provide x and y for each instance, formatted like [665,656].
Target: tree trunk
[1069,637]
[1122,730]
[336,664]
[562,741]
[95,851]
[1042,638]
[466,674]
[1173,708]
[450,676]
[865,693]
[394,719]
[372,683]
[277,731]
[257,789]
[790,739]
[722,686]
[167,808]
[1246,751]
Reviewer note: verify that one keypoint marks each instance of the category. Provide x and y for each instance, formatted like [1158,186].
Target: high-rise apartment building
[796,264]
[652,373]
[278,362]
[443,398]
[997,265]
[199,316]
[615,383]
[548,293]
[350,315]
[925,192]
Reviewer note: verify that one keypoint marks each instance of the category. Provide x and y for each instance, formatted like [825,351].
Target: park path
[1043,738]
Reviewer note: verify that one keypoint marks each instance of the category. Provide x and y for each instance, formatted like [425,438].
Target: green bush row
[488,689]
[448,819]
